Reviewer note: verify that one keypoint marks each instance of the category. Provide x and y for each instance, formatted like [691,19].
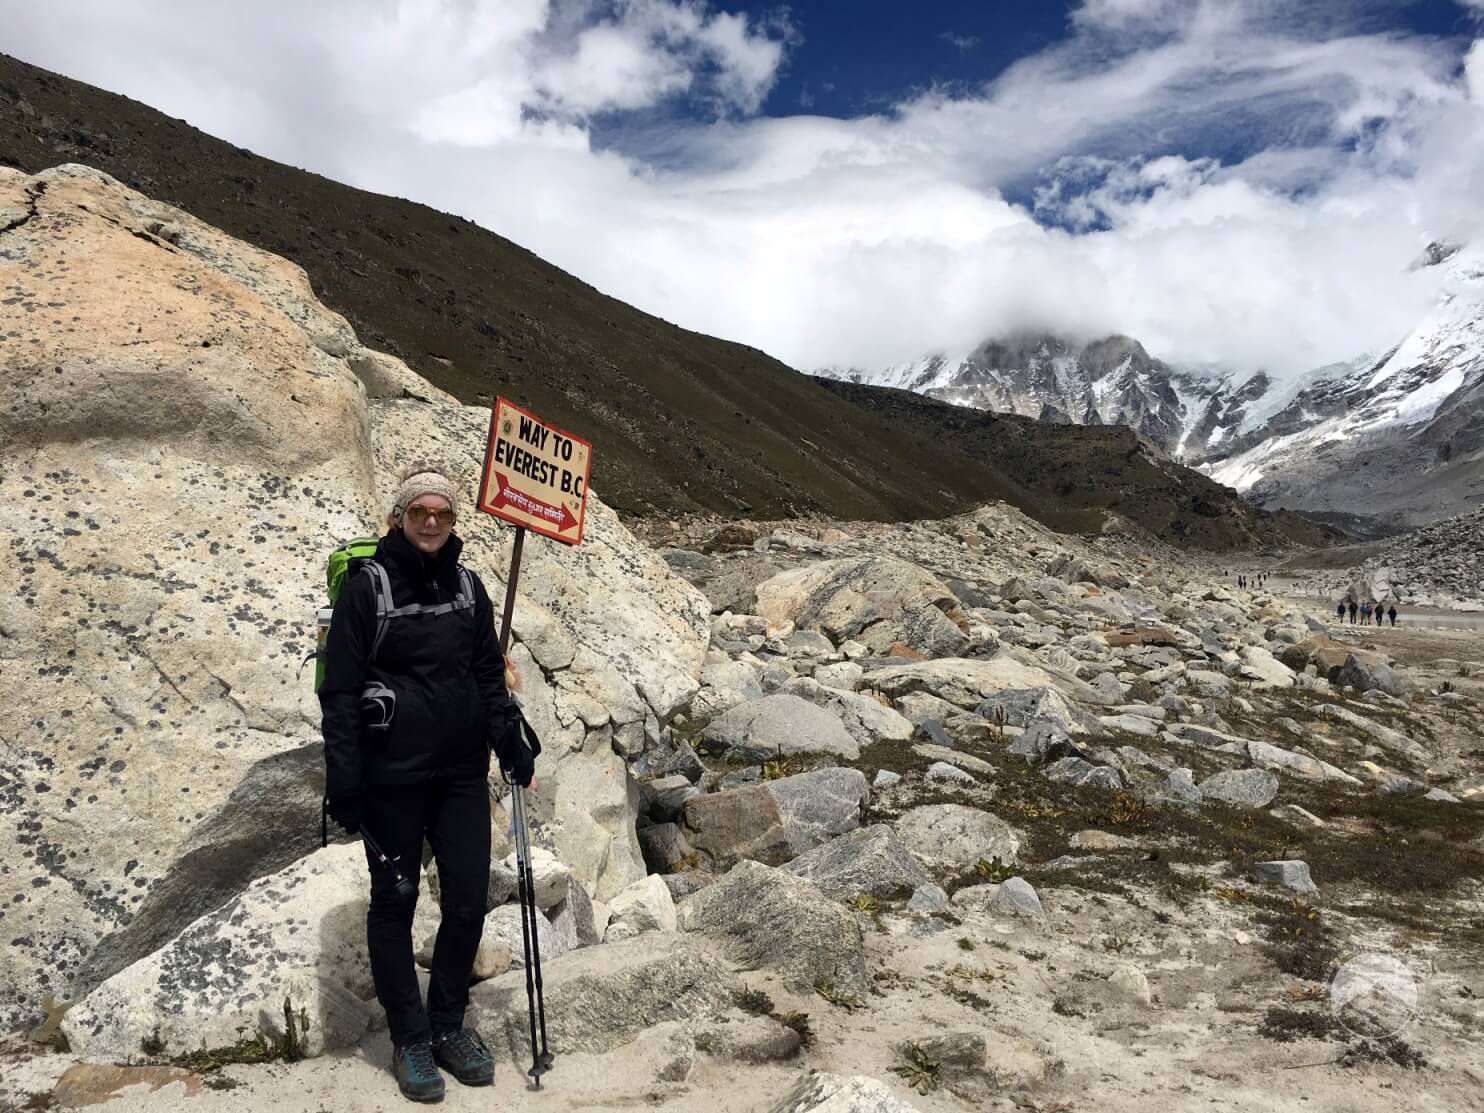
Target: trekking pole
[523,839]
[405,888]
[527,930]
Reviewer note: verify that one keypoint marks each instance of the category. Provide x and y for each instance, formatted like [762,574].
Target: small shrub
[993,870]
[1391,1050]
[753,1001]
[290,1047]
[998,717]
[866,904]
[1283,1025]
[1064,1005]
[253,1050]
[799,1022]
[965,943]
[1299,942]
[839,998]
[777,770]
[1128,811]
[981,974]
[919,1069]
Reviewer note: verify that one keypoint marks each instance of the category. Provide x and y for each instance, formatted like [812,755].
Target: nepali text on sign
[535,475]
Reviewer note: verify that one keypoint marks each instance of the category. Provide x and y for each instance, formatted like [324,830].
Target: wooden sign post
[535,477]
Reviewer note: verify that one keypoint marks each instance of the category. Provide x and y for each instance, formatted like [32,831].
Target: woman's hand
[512,676]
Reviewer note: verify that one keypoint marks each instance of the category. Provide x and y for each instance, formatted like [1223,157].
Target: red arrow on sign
[558,516]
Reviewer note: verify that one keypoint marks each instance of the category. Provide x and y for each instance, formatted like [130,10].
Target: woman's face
[427,522]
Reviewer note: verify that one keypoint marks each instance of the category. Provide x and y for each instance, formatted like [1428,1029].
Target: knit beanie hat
[424,480]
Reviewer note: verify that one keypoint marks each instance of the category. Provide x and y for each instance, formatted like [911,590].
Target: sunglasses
[443,517]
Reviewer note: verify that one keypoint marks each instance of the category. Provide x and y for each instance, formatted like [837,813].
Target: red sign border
[489,460]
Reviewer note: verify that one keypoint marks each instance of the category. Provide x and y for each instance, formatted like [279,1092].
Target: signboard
[535,475]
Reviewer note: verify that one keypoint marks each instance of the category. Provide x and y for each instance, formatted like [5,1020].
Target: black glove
[347,810]
[516,746]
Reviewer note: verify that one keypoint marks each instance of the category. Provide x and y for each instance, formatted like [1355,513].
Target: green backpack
[358,555]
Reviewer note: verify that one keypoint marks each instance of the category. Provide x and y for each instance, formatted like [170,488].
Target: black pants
[454,816]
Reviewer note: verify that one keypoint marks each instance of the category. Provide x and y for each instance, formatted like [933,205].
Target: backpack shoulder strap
[382,585]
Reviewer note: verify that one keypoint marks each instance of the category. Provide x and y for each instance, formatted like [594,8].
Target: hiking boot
[463,1055]
[417,1076]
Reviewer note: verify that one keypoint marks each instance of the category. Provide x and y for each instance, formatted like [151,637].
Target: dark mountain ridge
[681,422]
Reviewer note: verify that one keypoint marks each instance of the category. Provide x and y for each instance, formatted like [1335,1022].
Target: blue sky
[1234,182]
[859,57]
[856,58]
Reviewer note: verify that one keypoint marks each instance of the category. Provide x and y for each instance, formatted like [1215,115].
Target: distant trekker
[1353,609]
[1340,611]
[1365,614]
[1391,613]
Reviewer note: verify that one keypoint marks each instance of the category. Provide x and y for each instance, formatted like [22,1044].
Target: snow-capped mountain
[1187,413]
[1402,435]
[1113,381]
[1399,435]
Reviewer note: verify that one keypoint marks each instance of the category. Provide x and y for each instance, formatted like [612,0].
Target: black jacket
[446,671]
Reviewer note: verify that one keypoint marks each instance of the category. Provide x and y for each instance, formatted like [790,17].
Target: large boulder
[600,998]
[772,920]
[644,906]
[1243,788]
[818,1092]
[927,630]
[724,684]
[503,925]
[819,805]
[775,820]
[871,860]
[1024,707]
[168,716]
[865,719]
[952,836]
[1077,771]
[844,598]
[779,725]
[299,935]
[1265,670]
[969,683]
[1369,675]
[740,824]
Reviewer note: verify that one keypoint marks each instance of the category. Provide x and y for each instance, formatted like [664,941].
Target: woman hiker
[412,763]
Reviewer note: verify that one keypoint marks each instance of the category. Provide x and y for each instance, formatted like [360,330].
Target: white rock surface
[952,836]
[184,739]
[644,906]
[549,877]
[818,1092]
[299,934]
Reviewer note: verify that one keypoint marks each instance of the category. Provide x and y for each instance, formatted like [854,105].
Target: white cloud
[1242,181]
[1474,70]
